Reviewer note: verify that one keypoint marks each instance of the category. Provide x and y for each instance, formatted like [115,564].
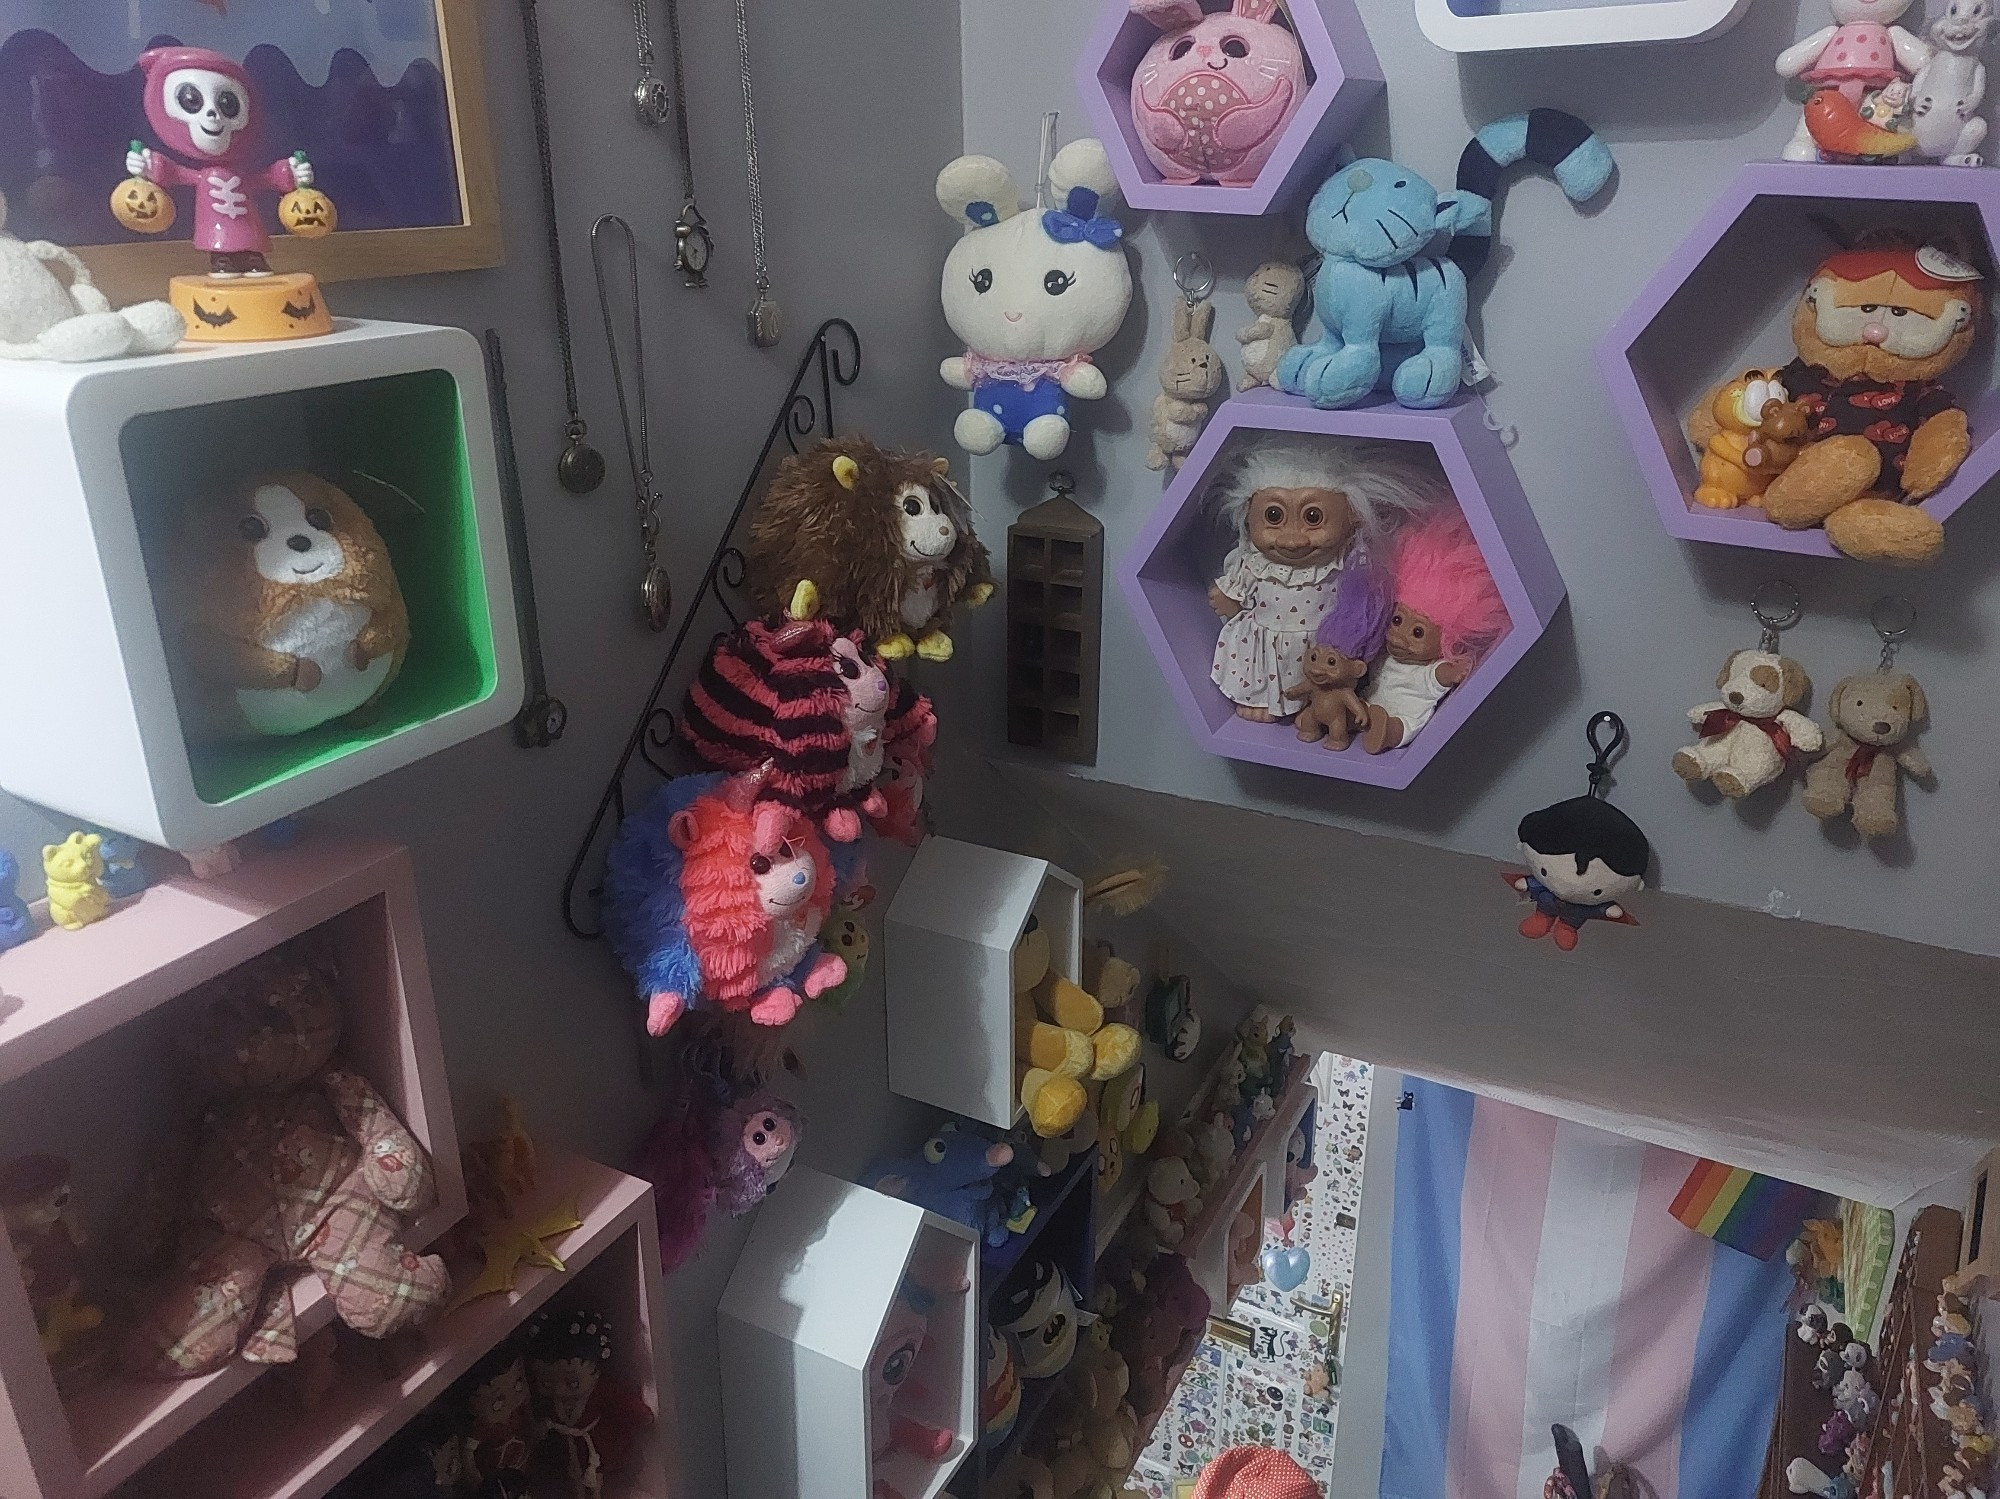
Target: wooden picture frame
[130,271]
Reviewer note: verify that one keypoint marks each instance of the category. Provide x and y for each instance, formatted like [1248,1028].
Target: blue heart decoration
[1286,1269]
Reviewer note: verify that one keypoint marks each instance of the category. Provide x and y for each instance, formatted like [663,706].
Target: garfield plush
[289,612]
[865,536]
[1875,331]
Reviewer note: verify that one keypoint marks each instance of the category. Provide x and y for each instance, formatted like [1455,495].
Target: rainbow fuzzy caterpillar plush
[715,894]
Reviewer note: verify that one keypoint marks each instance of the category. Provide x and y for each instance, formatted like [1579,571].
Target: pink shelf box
[264,1447]
[87,1066]
[1169,566]
[1343,80]
[1722,303]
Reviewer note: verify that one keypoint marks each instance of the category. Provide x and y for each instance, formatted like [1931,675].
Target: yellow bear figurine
[74,869]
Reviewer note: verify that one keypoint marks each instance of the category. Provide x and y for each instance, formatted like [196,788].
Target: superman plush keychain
[1585,858]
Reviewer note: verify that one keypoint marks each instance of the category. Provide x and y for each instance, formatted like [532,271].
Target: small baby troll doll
[1302,508]
[1336,662]
[1448,614]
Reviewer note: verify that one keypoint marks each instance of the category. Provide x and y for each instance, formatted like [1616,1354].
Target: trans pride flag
[1537,1276]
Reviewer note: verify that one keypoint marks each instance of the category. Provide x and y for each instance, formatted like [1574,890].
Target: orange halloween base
[250,309]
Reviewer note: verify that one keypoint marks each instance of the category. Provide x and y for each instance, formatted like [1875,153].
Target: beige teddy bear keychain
[1872,743]
[1753,734]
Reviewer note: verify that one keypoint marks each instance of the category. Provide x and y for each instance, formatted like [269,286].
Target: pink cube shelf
[1722,303]
[88,1065]
[1344,79]
[1169,566]
[264,1447]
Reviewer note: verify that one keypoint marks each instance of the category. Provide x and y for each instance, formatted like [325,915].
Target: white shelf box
[948,965]
[1541,25]
[101,459]
[803,1312]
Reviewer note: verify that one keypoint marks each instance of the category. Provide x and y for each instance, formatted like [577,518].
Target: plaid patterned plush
[315,1180]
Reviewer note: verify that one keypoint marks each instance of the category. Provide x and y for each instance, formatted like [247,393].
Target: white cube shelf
[1540,25]
[100,457]
[948,966]
[803,1312]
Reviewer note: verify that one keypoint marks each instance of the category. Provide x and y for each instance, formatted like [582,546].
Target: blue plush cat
[1393,315]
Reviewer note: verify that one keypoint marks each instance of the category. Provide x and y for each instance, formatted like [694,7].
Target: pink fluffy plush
[1438,571]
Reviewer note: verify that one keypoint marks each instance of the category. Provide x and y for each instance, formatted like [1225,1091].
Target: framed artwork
[386,97]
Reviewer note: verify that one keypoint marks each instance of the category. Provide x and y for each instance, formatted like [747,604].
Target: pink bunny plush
[1215,92]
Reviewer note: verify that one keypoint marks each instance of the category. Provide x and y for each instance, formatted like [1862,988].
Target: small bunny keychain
[1585,858]
[1754,733]
[1872,742]
[1191,375]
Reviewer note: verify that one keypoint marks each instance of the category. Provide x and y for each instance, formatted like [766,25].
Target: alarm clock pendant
[1585,858]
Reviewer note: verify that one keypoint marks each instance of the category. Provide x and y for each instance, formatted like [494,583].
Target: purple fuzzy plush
[1358,622]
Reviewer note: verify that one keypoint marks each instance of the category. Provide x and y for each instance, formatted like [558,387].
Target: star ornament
[508,1247]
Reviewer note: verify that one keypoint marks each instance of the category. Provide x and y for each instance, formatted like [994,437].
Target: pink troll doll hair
[1438,571]
[726,922]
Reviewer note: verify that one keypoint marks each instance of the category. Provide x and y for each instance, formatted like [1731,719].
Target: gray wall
[849,150]
[1649,619]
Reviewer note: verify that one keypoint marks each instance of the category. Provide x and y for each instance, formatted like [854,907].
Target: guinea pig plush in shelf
[289,613]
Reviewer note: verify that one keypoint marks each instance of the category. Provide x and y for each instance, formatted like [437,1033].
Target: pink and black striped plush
[773,691]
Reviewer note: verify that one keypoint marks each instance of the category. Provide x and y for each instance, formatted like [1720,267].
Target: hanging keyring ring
[1893,617]
[1774,620]
[1194,276]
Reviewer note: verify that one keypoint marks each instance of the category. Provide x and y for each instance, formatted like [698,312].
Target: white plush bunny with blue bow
[1033,295]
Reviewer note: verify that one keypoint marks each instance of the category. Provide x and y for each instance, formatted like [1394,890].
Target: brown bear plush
[1333,709]
[1875,331]
[1871,745]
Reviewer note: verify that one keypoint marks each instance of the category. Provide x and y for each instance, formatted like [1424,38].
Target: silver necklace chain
[765,325]
[680,98]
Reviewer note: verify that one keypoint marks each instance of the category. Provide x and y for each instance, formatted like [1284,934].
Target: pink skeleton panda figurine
[1215,91]
[200,107]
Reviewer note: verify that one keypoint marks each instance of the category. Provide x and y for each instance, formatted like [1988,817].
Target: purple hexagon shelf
[1344,80]
[1741,270]
[1167,570]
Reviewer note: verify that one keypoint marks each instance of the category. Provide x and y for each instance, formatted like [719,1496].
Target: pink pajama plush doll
[297,1164]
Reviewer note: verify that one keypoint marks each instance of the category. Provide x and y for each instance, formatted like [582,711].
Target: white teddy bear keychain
[1754,734]
[42,318]
[1033,294]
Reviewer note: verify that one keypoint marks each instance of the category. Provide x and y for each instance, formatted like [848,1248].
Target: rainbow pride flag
[1759,1215]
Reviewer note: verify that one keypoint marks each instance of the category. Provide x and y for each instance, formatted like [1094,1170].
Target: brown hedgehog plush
[869,537]
[288,610]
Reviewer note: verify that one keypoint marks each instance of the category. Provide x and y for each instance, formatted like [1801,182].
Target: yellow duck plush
[74,870]
[1060,1030]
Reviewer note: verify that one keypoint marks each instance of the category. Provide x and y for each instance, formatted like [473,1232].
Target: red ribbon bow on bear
[1721,720]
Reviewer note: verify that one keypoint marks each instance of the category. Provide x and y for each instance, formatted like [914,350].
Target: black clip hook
[1600,767]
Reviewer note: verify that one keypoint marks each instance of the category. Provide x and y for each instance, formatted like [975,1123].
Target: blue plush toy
[1393,315]
[16,925]
[952,1176]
